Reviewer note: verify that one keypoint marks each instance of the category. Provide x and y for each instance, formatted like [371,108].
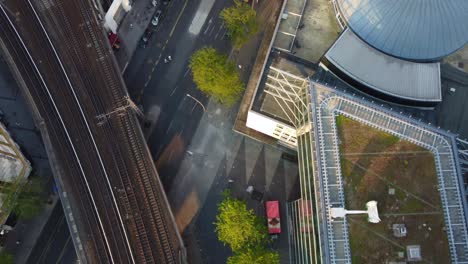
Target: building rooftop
[414,30]
[12,163]
[383,73]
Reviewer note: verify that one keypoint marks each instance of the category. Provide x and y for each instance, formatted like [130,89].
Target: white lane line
[219,30]
[294,14]
[89,131]
[211,31]
[169,127]
[173,91]
[208,26]
[286,33]
[186,72]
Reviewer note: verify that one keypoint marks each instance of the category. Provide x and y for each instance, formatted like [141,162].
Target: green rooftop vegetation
[402,178]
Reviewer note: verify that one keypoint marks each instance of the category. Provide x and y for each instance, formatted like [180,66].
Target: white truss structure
[288,91]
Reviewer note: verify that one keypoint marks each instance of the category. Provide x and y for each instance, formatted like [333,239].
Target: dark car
[145,39]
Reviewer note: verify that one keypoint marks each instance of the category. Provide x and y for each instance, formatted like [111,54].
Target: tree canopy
[237,226]
[257,255]
[30,200]
[6,257]
[216,76]
[240,20]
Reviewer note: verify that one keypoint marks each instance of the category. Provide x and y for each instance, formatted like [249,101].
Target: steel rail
[23,66]
[72,89]
[129,202]
[63,125]
[152,193]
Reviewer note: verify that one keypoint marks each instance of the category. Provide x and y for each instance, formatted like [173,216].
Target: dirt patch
[459,59]
[402,178]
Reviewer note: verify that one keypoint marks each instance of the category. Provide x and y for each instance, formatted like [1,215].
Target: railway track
[32,78]
[136,225]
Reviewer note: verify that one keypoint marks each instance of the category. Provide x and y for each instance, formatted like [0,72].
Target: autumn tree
[238,226]
[216,76]
[241,22]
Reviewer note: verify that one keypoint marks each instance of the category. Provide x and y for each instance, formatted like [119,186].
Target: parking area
[138,23]
[318,30]
[289,25]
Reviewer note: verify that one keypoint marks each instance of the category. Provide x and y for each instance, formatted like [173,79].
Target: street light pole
[196,100]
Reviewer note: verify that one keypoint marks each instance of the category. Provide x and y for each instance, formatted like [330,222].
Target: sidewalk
[216,155]
[268,17]
[132,28]
[28,232]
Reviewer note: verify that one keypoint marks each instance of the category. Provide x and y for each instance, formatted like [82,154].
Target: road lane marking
[163,49]
[219,30]
[186,72]
[206,30]
[178,18]
[200,17]
[208,27]
[63,251]
[211,31]
[173,91]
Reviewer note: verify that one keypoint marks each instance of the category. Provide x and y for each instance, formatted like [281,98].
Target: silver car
[155,20]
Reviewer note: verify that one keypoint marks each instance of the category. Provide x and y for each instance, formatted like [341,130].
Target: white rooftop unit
[414,252]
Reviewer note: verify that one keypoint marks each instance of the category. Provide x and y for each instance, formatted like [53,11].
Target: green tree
[30,200]
[216,76]
[241,22]
[257,255]
[237,226]
[6,257]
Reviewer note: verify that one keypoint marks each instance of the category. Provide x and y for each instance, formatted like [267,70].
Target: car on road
[273,217]
[146,37]
[156,17]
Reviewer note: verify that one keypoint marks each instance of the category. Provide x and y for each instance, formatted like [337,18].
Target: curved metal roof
[389,75]
[409,29]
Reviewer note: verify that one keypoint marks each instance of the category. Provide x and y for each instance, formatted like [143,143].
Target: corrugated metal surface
[409,29]
[389,75]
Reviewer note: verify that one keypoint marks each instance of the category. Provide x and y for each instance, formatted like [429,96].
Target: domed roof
[409,29]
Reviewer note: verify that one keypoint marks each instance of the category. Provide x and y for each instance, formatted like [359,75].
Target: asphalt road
[161,88]
[55,244]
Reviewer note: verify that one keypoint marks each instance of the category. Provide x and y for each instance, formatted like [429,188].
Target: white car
[155,20]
